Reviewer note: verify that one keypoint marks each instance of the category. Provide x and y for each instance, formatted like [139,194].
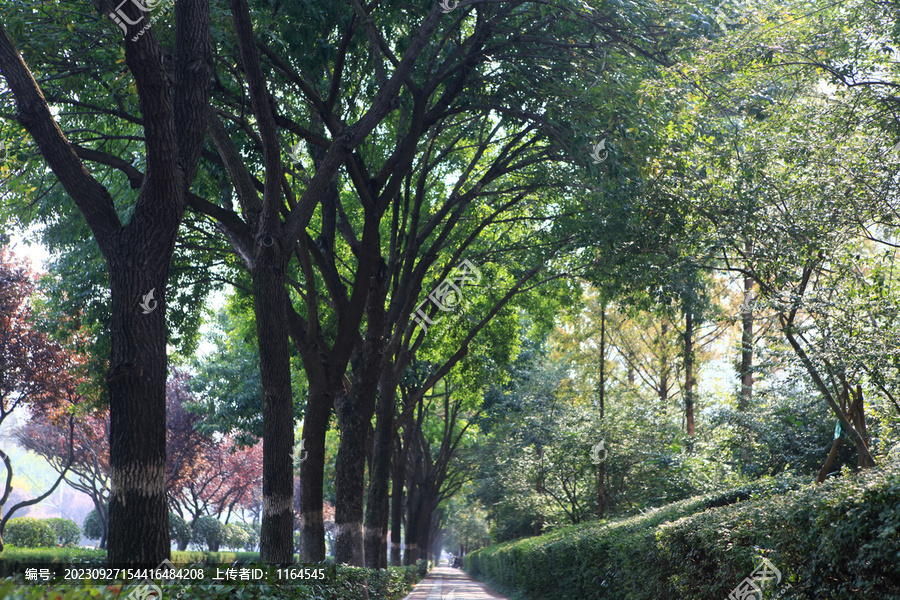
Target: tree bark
[746,370]
[137,427]
[398,468]
[137,256]
[349,480]
[380,475]
[312,473]
[663,366]
[269,277]
[602,390]
[689,371]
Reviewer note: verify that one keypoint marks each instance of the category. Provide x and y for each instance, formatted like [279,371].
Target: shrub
[836,540]
[92,527]
[25,532]
[340,583]
[179,529]
[391,583]
[66,530]
[240,536]
[12,559]
[422,568]
[208,531]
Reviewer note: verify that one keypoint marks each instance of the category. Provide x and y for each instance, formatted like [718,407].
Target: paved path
[447,583]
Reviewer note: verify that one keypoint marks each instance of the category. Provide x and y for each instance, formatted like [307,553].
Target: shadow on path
[447,583]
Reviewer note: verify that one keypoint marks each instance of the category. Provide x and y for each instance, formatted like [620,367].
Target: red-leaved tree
[35,373]
[89,469]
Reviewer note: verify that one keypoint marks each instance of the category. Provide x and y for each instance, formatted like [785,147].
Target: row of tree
[340,176]
[429,137]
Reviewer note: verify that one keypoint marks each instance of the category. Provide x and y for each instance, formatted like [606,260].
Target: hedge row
[835,541]
[25,532]
[347,583]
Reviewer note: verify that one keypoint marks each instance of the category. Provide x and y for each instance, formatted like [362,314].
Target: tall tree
[173,98]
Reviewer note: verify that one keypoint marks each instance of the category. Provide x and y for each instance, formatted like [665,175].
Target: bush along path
[447,583]
[834,541]
[341,583]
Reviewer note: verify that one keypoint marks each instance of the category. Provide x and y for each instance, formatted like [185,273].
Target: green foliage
[422,568]
[837,540]
[12,558]
[66,531]
[213,558]
[179,529]
[347,583]
[26,532]
[466,524]
[92,527]
[785,431]
[240,535]
[209,531]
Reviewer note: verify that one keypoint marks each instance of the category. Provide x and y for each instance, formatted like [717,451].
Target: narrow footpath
[447,583]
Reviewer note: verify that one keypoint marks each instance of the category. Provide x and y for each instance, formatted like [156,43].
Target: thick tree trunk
[398,468]
[413,513]
[138,511]
[173,96]
[689,371]
[379,477]
[426,527]
[354,413]
[312,473]
[276,535]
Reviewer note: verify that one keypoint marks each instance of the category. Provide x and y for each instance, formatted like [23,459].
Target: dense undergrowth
[835,541]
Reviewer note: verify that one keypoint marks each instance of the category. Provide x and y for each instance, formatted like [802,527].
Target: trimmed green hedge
[67,531]
[25,532]
[389,584]
[12,556]
[835,541]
